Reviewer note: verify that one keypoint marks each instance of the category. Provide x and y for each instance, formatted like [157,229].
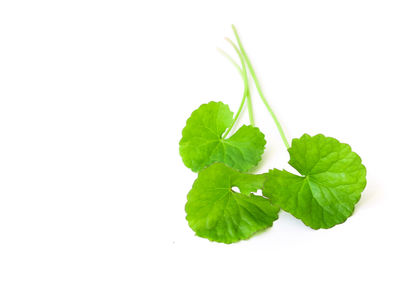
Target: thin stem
[244,93]
[236,116]
[256,82]
[232,61]
[246,82]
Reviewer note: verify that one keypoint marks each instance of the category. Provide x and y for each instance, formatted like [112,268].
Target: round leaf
[216,212]
[332,180]
[202,143]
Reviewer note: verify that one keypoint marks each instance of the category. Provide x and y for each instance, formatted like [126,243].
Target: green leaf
[331,183]
[202,143]
[216,212]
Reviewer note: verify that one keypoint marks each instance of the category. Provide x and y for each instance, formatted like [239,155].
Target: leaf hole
[258,193]
[235,189]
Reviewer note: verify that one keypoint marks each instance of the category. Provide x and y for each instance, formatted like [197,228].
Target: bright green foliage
[216,212]
[323,195]
[332,182]
[202,143]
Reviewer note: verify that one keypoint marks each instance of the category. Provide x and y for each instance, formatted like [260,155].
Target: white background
[93,98]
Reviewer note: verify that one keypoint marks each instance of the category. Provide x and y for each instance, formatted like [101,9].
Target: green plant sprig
[330,179]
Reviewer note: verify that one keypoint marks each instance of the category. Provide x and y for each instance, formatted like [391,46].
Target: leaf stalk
[257,83]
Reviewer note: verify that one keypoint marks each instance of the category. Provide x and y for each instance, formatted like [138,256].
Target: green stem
[232,61]
[246,82]
[256,82]
[244,93]
[236,116]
